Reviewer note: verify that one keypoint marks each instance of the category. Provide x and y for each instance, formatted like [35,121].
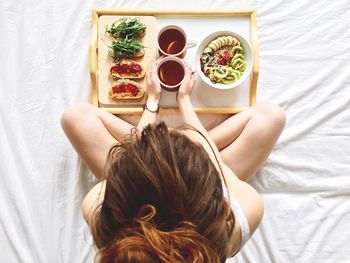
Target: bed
[305,183]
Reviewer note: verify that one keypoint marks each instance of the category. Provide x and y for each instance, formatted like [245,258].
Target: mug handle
[191,44]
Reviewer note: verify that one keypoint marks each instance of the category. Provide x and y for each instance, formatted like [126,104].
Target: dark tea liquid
[171,73]
[172,41]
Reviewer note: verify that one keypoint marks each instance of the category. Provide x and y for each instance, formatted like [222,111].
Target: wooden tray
[105,61]
[204,99]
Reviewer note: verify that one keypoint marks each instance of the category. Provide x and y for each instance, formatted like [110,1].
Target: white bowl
[248,53]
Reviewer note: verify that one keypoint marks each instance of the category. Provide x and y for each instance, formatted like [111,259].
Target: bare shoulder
[92,200]
[248,198]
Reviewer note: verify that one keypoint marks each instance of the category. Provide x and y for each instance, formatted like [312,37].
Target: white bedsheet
[305,183]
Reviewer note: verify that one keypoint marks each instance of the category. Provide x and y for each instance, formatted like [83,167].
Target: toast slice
[125,89]
[137,55]
[127,69]
[126,48]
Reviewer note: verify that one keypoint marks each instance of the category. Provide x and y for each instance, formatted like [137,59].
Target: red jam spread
[127,69]
[126,88]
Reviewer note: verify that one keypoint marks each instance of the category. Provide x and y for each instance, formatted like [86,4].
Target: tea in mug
[172,41]
[171,73]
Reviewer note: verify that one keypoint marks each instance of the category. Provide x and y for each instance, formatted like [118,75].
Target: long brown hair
[163,202]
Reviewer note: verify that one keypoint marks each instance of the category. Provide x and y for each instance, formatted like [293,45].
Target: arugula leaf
[127,28]
[126,48]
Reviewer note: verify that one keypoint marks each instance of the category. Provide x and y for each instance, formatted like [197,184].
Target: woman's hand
[153,95]
[186,87]
[153,83]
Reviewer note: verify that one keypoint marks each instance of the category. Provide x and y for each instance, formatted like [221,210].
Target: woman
[172,195]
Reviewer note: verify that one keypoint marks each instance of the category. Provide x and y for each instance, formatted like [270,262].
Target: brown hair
[163,202]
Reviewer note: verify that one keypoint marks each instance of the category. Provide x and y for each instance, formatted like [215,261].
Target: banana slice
[212,46]
[207,50]
[222,41]
[217,44]
[226,40]
[229,40]
[234,41]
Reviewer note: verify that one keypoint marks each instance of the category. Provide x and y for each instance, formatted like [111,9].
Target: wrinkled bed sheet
[305,183]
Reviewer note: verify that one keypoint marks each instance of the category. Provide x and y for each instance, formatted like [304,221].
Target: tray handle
[93,58]
[255,45]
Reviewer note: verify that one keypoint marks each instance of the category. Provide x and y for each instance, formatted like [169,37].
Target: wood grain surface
[105,61]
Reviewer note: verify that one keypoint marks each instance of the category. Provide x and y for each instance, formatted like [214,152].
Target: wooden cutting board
[105,61]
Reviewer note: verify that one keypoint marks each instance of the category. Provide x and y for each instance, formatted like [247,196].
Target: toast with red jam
[126,89]
[127,69]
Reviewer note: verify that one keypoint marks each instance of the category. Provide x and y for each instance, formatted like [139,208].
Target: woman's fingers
[193,78]
[159,59]
[152,72]
[190,67]
[148,76]
[157,62]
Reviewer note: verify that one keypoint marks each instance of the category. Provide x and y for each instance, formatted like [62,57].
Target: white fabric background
[305,183]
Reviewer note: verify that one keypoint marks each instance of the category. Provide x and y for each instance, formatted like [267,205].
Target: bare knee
[272,114]
[74,113]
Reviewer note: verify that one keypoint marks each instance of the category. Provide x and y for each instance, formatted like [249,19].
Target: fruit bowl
[221,72]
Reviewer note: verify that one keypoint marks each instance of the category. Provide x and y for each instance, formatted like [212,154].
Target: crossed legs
[85,127]
[244,140]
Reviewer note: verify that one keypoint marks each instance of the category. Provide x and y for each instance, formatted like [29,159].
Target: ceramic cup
[171,73]
[172,41]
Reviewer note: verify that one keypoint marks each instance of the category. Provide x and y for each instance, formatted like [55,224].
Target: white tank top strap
[239,215]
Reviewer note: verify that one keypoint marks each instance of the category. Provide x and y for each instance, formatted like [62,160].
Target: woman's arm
[93,200]
[184,102]
[154,90]
[113,125]
[190,117]
[92,132]
[247,196]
